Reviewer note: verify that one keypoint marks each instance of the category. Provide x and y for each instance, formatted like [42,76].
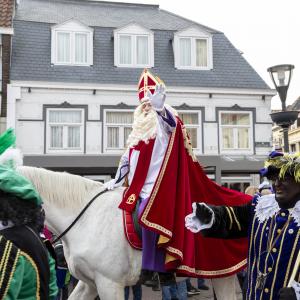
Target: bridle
[78,217]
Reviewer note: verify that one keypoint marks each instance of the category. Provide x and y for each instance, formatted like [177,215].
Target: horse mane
[60,188]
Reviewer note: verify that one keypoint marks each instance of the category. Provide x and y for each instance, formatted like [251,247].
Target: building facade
[293,131]
[7,8]
[73,90]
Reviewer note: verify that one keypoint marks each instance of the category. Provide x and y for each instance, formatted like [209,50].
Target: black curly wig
[20,212]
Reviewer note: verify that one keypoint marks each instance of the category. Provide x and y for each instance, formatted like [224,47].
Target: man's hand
[287,293]
[158,98]
[203,213]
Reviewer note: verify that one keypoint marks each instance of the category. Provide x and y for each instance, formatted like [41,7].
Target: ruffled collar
[267,207]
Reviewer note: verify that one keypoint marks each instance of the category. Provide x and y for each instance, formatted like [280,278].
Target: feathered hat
[12,182]
[147,83]
[281,164]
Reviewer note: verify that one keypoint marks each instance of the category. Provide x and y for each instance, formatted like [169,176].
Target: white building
[75,68]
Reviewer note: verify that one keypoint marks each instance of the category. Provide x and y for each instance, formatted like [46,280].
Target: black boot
[167,278]
[150,279]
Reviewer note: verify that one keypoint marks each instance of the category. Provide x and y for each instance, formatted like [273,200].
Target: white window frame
[121,132]
[65,135]
[198,149]
[236,150]
[134,31]
[193,33]
[72,27]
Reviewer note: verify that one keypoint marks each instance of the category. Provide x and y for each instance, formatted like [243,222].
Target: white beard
[144,126]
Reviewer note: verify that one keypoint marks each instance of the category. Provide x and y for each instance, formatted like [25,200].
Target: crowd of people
[162,178]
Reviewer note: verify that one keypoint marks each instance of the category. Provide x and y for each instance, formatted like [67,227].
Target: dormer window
[72,44]
[133,47]
[193,49]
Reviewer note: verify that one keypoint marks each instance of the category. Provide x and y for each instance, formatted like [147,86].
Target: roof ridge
[194,22]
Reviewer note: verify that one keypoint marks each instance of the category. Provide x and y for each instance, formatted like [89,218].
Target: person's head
[19,201]
[283,170]
[251,190]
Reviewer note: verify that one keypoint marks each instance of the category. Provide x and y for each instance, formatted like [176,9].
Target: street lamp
[281,76]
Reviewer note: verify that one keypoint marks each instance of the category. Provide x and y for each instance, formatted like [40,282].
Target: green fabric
[7,139]
[24,281]
[14,183]
[53,289]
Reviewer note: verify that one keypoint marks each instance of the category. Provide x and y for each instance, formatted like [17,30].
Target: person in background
[136,291]
[27,270]
[272,223]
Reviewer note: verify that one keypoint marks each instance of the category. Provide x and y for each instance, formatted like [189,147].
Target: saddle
[132,228]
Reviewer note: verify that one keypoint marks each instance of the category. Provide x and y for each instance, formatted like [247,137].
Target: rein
[78,217]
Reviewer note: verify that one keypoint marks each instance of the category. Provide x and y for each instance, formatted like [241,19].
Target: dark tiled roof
[102,14]
[6,13]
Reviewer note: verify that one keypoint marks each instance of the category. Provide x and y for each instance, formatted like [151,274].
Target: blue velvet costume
[273,242]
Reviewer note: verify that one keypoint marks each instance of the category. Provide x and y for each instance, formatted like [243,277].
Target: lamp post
[281,76]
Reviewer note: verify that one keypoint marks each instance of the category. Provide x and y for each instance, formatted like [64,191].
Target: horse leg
[83,291]
[108,289]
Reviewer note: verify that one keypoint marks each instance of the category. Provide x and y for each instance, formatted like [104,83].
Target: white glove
[158,98]
[110,185]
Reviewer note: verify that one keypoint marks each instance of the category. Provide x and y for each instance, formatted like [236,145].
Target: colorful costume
[273,234]
[26,270]
[176,179]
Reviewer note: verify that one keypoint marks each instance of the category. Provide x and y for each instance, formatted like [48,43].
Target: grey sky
[266,31]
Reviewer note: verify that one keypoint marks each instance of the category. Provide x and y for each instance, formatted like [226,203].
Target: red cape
[181,182]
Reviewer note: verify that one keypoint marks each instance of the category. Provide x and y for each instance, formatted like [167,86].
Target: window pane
[127,131]
[61,116]
[235,119]
[243,119]
[189,118]
[243,138]
[113,117]
[80,48]
[192,132]
[227,134]
[63,47]
[125,50]
[73,136]
[142,50]
[201,53]
[56,136]
[185,52]
[113,137]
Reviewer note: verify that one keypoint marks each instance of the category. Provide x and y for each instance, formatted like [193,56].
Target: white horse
[96,249]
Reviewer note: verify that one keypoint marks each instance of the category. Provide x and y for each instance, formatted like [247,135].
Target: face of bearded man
[144,125]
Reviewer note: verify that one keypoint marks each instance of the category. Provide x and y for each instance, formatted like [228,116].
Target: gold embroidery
[291,258]
[230,217]
[131,199]
[175,251]
[213,273]
[155,190]
[235,219]
[6,255]
[253,240]
[12,272]
[276,268]
[38,284]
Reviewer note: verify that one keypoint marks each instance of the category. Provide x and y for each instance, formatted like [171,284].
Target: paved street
[148,294]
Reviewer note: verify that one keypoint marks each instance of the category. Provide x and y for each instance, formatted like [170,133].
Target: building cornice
[133,88]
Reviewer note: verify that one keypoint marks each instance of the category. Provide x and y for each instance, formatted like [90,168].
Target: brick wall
[6,51]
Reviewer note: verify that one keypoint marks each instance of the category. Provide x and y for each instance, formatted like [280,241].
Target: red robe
[181,181]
